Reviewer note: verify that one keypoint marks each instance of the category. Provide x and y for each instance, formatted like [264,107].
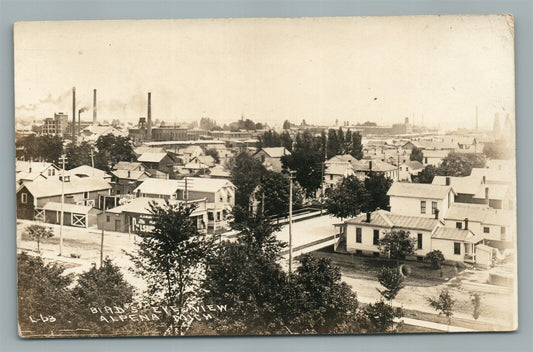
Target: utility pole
[103,231]
[92,161]
[290,220]
[63,157]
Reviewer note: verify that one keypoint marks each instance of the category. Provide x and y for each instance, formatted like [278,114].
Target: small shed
[484,255]
[73,214]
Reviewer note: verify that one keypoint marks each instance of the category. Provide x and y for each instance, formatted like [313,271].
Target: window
[456,248]
[406,168]
[433,207]
[358,235]
[85,195]
[486,230]
[107,218]
[419,241]
[459,225]
[503,230]
[24,198]
[422,207]
[376,237]
[331,177]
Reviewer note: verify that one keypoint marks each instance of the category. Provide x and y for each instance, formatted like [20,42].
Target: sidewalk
[431,325]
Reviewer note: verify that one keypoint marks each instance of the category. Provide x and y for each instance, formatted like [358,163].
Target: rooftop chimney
[73,114]
[368,216]
[149,118]
[448,180]
[95,122]
[487,195]
[436,214]
[484,179]
[466,223]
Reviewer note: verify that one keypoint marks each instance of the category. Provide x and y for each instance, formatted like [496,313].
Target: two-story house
[420,199]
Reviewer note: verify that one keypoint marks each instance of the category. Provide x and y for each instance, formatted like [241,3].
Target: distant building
[271,157]
[30,171]
[58,125]
[410,169]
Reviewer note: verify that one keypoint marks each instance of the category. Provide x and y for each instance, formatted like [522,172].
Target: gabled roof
[151,157]
[87,171]
[170,187]
[31,170]
[339,168]
[127,165]
[276,152]
[364,165]
[219,171]
[383,218]
[341,158]
[455,234]
[418,190]
[481,213]
[158,186]
[67,207]
[141,205]
[465,185]
[51,188]
[414,165]
[133,175]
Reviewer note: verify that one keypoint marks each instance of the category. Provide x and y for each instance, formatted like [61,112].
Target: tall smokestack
[149,118]
[95,121]
[73,114]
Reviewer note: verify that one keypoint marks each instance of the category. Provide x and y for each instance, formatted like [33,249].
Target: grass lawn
[367,267]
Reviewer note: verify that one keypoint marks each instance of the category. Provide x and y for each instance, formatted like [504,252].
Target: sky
[434,69]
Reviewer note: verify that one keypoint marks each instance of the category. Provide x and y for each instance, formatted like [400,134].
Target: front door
[117,225]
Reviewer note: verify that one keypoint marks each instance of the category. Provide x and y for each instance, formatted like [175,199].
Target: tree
[443,304]
[43,294]
[170,258]
[38,232]
[306,160]
[112,149]
[357,146]
[214,153]
[273,194]
[426,175]
[318,300]
[347,199]
[377,186]
[416,154]
[286,140]
[498,149]
[436,258]
[458,164]
[78,154]
[397,244]
[379,317]
[287,125]
[246,173]
[392,280]
[47,148]
[101,287]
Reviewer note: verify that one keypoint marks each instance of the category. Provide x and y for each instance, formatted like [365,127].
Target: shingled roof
[418,190]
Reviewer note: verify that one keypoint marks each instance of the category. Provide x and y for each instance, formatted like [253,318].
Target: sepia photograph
[266,176]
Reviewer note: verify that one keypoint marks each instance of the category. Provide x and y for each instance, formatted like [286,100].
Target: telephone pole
[103,232]
[290,220]
[63,157]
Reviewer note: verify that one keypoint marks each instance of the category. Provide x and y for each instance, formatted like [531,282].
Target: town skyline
[226,69]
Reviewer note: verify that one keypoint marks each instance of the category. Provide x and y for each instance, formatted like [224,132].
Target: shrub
[436,258]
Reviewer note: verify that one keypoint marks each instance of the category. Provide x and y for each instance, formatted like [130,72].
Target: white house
[219,194]
[335,172]
[30,171]
[363,232]
[419,199]
[483,221]
[410,169]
